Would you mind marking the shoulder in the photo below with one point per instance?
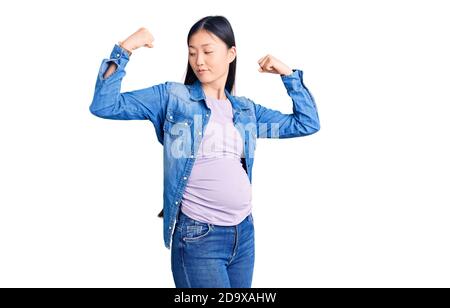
(177, 88)
(245, 101)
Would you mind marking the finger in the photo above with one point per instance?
(265, 63)
(261, 64)
(261, 60)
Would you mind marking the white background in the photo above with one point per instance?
(362, 203)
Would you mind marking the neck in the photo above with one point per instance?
(216, 88)
(215, 93)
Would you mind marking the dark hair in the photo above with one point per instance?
(221, 27)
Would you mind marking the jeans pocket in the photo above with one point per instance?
(195, 231)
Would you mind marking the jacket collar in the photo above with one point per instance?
(197, 93)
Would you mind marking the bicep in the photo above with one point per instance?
(147, 103)
(271, 123)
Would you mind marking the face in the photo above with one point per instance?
(209, 53)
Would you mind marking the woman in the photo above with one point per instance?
(209, 138)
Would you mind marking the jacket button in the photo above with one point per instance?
(199, 133)
(176, 202)
(118, 55)
(171, 117)
(185, 178)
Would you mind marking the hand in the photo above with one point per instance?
(270, 64)
(141, 38)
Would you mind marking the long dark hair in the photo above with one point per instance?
(221, 27)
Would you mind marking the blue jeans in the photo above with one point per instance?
(205, 255)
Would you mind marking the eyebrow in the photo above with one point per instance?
(202, 45)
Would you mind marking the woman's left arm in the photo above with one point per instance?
(303, 121)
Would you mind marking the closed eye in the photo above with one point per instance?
(191, 54)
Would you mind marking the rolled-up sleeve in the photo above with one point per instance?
(109, 103)
(302, 122)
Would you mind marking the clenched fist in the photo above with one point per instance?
(141, 38)
(270, 64)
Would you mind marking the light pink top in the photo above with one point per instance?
(218, 190)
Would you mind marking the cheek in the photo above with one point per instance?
(218, 63)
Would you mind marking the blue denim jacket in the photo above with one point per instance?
(179, 115)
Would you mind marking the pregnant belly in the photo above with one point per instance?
(219, 183)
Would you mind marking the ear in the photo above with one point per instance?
(232, 53)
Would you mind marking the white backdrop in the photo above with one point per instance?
(367, 196)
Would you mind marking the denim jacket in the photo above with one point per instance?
(179, 115)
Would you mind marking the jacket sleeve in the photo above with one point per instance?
(108, 103)
(302, 122)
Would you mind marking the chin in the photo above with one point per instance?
(202, 78)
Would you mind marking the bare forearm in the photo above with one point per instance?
(111, 69)
(113, 66)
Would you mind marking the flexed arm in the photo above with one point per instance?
(109, 103)
(303, 121)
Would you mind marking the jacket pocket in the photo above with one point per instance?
(176, 123)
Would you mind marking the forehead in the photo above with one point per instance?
(203, 39)
(202, 45)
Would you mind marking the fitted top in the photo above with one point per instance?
(218, 190)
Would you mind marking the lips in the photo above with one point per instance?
(200, 71)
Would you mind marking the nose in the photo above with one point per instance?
(199, 61)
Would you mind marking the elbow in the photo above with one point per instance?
(315, 128)
(93, 111)
(301, 129)
(306, 129)
(100, 108)
(97, 112)
(310, 130)
(313, 125)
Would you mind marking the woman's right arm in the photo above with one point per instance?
(111, 69)
(113, 66)
(109, 103)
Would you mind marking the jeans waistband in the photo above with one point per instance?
(184, 218)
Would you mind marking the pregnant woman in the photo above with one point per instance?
(209, 138)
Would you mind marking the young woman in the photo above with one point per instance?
(209, 138)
